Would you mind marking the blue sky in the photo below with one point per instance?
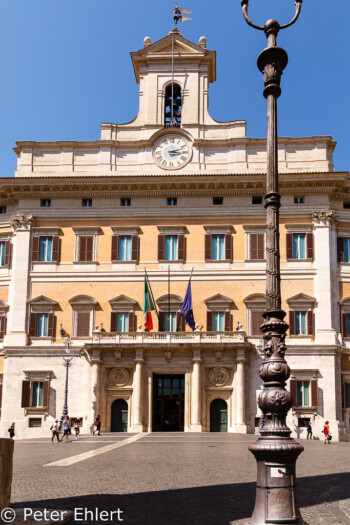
(65, 66)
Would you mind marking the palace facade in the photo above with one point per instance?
(171, 191)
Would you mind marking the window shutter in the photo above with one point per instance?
(89, 248)
(291, 322)
(135, 248)
(36, 248)
(115, 249)
(46, 400)
(314, 392)
(207, 247)
(25, 394)
(182, 248)
(51, 325)
(209, 321)
(0, 396)
(33, 325)
(293, 391)
(3, 323)
(55, 248)
(228, 321)
(161, 322)
(131, 322)
(256, 321)
(253, 246)
(114, 322)
(345, 396)
(183, 324)
(161, 247)
(310, 245)
(310, 322)
(344, 331)
(340, 243)
(178, 322)
(82, 248)
(228, 246)
(260, 246)
(7, 253)
(83, 324)
(289, 241)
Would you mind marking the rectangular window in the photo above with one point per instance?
(218, 247)
(347, 325)
(2, 209)
(347, 395)
(45, 203)
(46, 249)
(257, 199)
(218, 321)
(83, 324)
(37, 393)
(87, 203)
(299, 246)
(2, 253)
(300, 323)
(346, 248)
(43, 325)
(346, 205)
(170, 322)
(123, 322)
(303, 393)
(256, 246)
(171, 248)
(299, 200)
(256, 320)
(34, 422)
(172, 201)
(124, 248)
(125, 202)
(217, 201)
(86, 243)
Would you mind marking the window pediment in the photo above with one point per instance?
(122, 303)
(3, 307)
(219, 229)
(175, 302)
(82, 300)
(345, 301)
(255, 300)
(219, 302)
(301, 300)
(42, 304)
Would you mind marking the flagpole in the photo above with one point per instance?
(178, 323)
(169, 295)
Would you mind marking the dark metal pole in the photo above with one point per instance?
(275, 452)
(66, 364)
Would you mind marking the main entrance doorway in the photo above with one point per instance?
(218, 416)
(119, 416)
(168, 403)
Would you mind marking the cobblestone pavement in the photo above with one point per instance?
(173, 479)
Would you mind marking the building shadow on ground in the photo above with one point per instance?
(217, 505)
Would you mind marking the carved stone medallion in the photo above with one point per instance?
(218, 376)
(119, 376)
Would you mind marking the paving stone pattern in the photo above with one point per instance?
(173, 479)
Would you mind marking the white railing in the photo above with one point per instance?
(152, 338)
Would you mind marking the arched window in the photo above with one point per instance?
(173, 106)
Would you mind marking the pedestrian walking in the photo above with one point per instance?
(11, 431)
(97, 425)
(327, 433)
(55, 431)
(309, 431)
(77, 428)
(66, 427)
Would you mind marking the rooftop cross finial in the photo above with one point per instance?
(178, 12)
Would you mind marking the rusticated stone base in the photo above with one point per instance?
(6, 465)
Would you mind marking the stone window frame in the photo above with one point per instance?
(32, 376)
(42, 305)
(344, 307)
(86, 231)
(249, 230)
(122, 304)
(220, 303)
(3, 319)
(86, 304)
(341, 235)
(227, 231)
(47, 232)
(301, 229)
(302, 303)
(345, 379)
(253, 303)
(6, 237)
(175, 302)
(172, 231)
(305, 375)
(126, 231)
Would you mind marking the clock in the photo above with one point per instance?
(172, 152)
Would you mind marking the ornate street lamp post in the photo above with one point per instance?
(275, 452)
(66, 364)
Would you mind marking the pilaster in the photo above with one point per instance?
(240, 394)
(196, 423)
(18, 291)
(95, 388)
(137, 425)
(325, 238)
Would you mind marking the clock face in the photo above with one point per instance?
(172, 152)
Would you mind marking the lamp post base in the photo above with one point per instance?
(276, 499)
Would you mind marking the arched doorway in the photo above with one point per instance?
(218, 416)
(119, 416)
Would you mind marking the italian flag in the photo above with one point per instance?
(148, 306)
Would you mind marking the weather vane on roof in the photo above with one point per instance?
(178, 15)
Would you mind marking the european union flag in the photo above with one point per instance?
(186, 308)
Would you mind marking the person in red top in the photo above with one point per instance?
(326, 432)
